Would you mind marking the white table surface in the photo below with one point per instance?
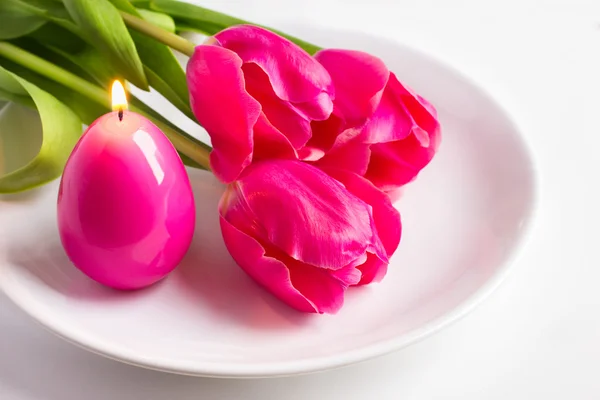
(538, 336)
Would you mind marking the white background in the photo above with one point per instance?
(538, 336)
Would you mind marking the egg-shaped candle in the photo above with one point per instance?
(126, 211)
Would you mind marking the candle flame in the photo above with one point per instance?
(119, 100)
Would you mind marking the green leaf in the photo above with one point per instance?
(165, 89)
(168, 76)
(10, 84)
(161, 20)
(18, 18)
(61, 129)
(90, 60)
(54, 10)
(161, 60)
(210, 22)
(102, 24)
(64, 37)
(86, 109)
(15, 98)
(125, 5)
(52, 34)
(182, 27)
(51, 6)
(20, 136)
(72, 62)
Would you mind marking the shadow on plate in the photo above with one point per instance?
(46, 260)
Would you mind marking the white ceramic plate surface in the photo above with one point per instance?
(463, 220)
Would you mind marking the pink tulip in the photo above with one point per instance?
(256, 94)
(305, 236)
(260, 97)
(386, 132)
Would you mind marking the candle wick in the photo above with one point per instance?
(120, 114)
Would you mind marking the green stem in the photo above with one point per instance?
(172, 40)
(193, 150)
(54, 72)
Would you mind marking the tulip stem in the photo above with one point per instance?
(53, 72)
(172, 40)
(194, 150)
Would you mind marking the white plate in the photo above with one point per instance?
(463, 220)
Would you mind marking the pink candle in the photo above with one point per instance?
(125, 205)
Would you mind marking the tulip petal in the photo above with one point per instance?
(223, 107)
(353, 156)
(349, 275)
(270, 143)
(373, 270)
(404, 134)
(281, 114)
(324, 134)
(303, 212)
(386, 217)
(301, 286)
(359, 79)
(397, 163)
(325, 292)
(318, 109)
(400, 114)
(295, 76)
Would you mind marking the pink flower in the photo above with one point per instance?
(256, 94)
(305, 236)
(386, 132)
(311, 148)
(260, 97)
